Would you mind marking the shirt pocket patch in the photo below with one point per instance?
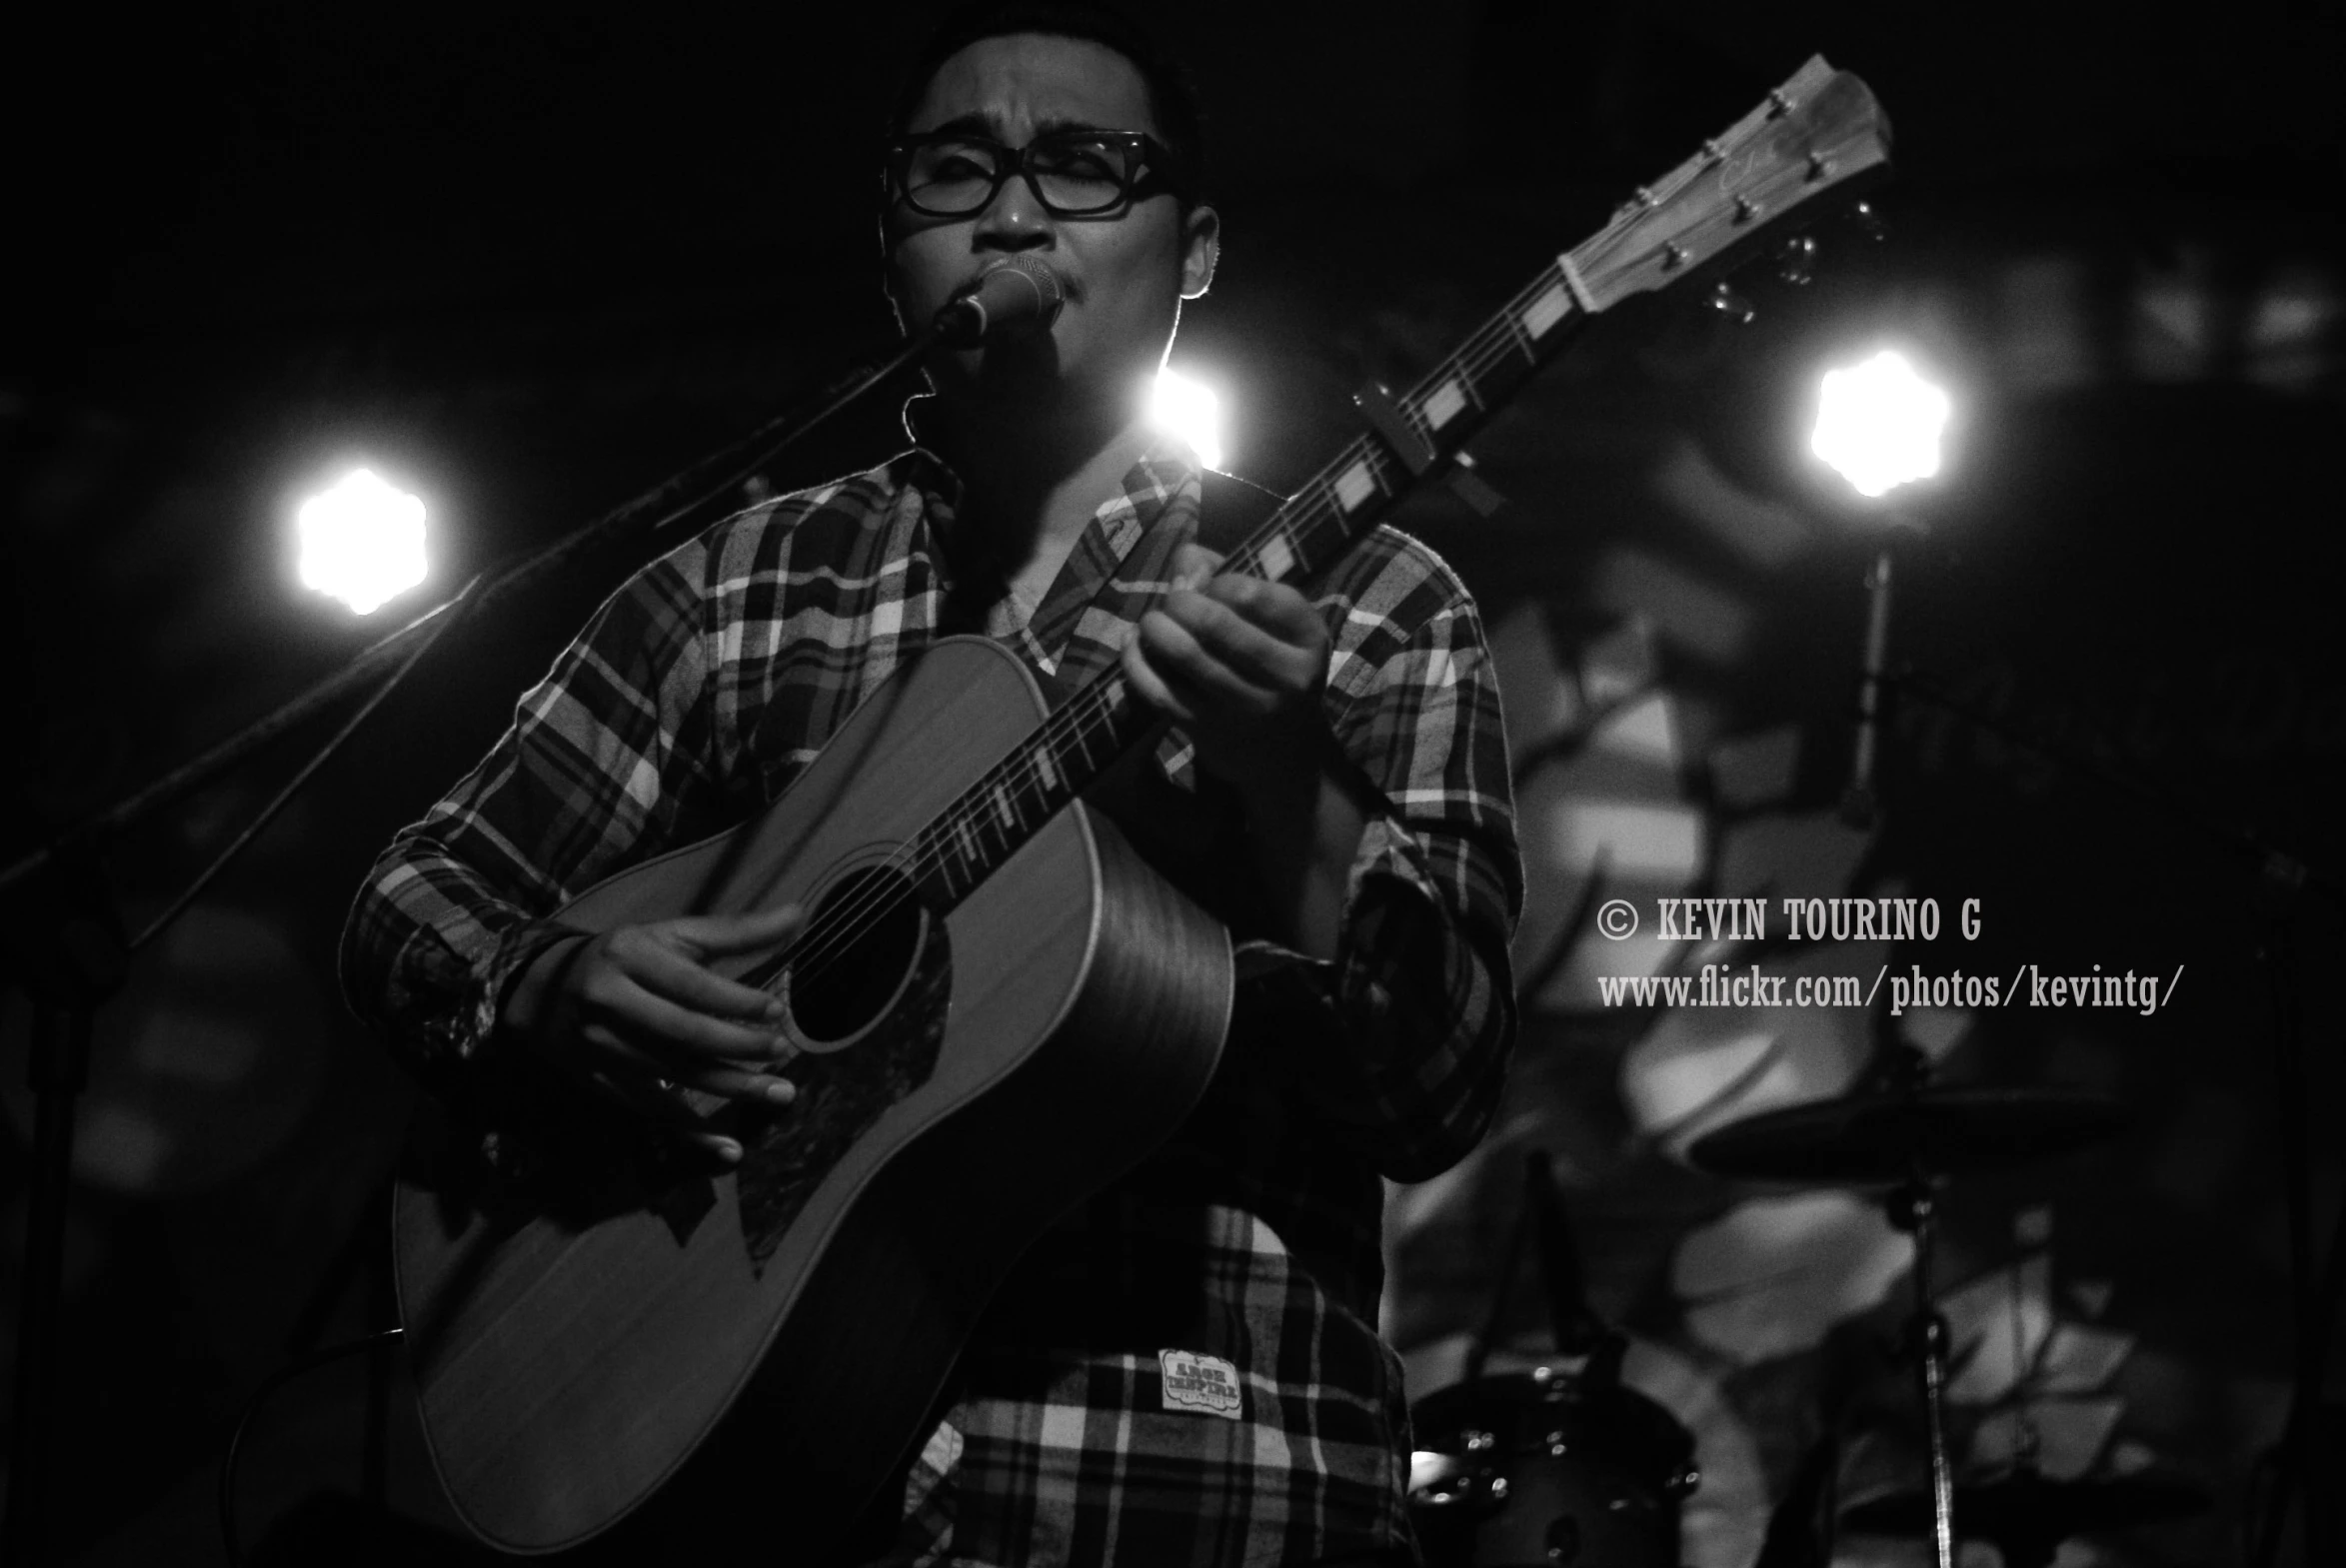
(1206, 1384)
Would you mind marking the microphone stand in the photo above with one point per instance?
(1912, 1205)
(1861, 802)
(65, 945)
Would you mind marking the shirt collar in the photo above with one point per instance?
(1166, 467)
(1158, 500)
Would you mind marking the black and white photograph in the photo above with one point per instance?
(1037, 783)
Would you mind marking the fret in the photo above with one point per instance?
(1521, 340)
(1552, 306)
(981, 828)
(1472, 382)
(1384, 471)
(929, 846)
(1067, 756)
(1494, 374)
(1041, 802)
(1448, 399)
(1026, 788)
(1290, 526)
(1275, 557)
(1273, 552)
(1109, 720)
(1080, 731)
(1414, 420)
(994, 841)
(1451, 390)
(1324, 526)
(1355, 486)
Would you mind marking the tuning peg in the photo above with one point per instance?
(1731, 305)
(1796, 259)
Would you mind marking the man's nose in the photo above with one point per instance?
(1016, 220)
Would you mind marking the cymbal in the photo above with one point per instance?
(2027, 1507)
(1889, 1136)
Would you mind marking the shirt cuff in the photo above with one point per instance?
(1388, 851)
(458, 1060)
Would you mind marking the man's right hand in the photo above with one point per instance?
(636, 1012)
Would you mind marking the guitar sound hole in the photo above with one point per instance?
(860, 943)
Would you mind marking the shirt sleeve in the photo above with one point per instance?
(606, 757)
(1420, 985)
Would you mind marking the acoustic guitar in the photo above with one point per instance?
(1001, 1007)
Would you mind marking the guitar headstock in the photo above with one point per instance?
(1821, 131)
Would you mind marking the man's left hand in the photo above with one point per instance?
(1238, 662)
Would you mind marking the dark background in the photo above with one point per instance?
(526, 260)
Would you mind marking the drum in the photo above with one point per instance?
(1547, 1468)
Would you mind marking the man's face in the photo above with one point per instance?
(1126, 271)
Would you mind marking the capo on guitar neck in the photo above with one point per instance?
(1416, 454)
(1413, 449)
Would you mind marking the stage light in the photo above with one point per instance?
(1190, 410)
(362, 541)
(1878, 424)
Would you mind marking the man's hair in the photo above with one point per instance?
(1172, 100)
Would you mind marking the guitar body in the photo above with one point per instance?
(988, 1071)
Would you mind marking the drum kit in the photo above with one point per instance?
(1567, 1465)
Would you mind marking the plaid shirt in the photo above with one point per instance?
(1250, 1242)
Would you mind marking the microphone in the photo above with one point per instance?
(1016, 296)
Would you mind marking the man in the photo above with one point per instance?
(1333, 785)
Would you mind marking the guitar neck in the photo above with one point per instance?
(1338, 505)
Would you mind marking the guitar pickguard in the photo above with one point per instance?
(842, 1093)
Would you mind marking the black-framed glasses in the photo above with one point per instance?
(1075, 173)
